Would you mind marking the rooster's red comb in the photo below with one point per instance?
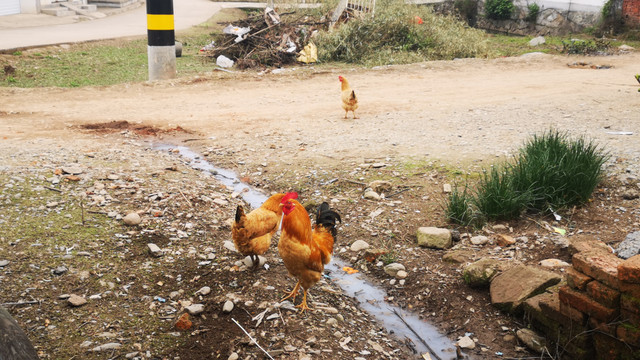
(288, 196)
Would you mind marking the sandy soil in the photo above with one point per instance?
(286, 130)
(452, 110)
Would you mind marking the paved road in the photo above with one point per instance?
(15, 32)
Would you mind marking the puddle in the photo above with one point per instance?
(424, 336)
(229, 178)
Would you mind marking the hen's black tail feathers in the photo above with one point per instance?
(239, 213)
(328, 218)
(353, 95)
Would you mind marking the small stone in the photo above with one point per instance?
(4, 263)
(554, 263)
(227, 307)
(132, 219)
(205, 290)
(479, 240)
(60, 270)
(371, 195)
(155, 250)
(537, 41)
(446, 188)
(75, 300)
(359, 245)
(108, 346)
(392, 269)
(533, 341)
(72, 169)
(466, 343)
(505, 240)
(195, 309)
(229, 246)
(233, 356)
(401, 274)
(332, 322)
(183, 322)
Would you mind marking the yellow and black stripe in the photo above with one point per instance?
(160, 28)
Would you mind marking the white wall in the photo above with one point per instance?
(572, 5)
(30, 6)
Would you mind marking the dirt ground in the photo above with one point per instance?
(285, 131)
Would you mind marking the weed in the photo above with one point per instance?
(499, 9)
(534, 10)
(458, 209)
(585, 47)
(393, 37)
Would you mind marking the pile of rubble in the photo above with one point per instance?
(268, 39)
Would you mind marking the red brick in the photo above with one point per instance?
(586, 305)
(570, 313)
(629, 333)
(607, 328)
(629, 270)
(599, 265)
(587, 243)
(630, 303)
(629, 316)
(630, 289)
(603, 294)
(576, 279)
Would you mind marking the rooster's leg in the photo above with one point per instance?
(345, 113)
(255, 259)
(303, 305)
(354, 114)
(293, 293)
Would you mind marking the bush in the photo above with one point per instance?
(585, 47)
(499, 9)
(551, 172)
(393, 36)
(534, 10)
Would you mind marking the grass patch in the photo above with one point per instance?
(552, 171)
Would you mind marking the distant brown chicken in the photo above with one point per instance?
(349, 99)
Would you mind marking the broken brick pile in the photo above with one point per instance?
(596, 314)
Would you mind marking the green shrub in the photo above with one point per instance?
(534, 10)
(393, 36)
(499, 9)
(585, 47)
(550, 172)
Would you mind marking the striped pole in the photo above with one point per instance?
(161, 50)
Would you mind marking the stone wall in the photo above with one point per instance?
(596, 314)
(550, 21)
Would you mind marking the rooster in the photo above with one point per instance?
(349, 100)
(252, 232)
(305, 251)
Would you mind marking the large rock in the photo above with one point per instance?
(630, 246)
(14, 343)
(481, 272)
(514, 286)
(434, 237)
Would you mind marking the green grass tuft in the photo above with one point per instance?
(552, 171)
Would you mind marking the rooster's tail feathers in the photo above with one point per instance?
(353, 95)
(328, 218)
